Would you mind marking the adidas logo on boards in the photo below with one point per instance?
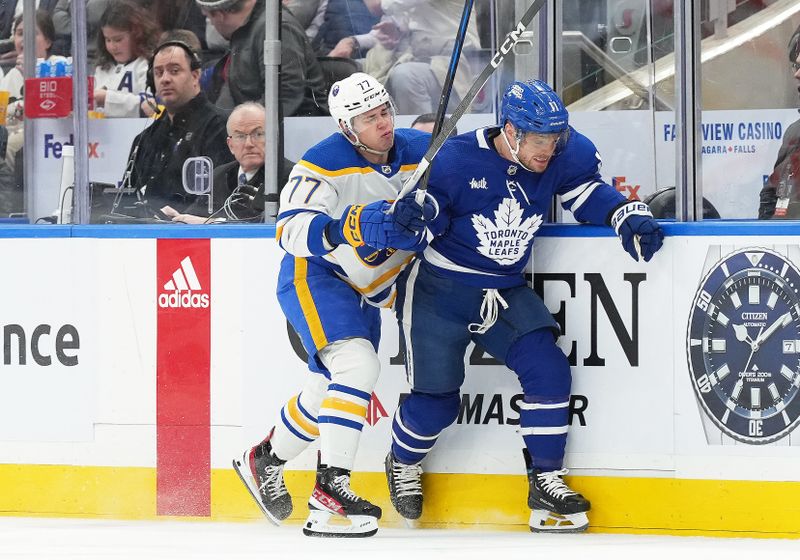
(183, 288)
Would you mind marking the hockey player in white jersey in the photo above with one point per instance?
(494, 186)
(344, 252)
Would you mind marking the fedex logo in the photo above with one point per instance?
(53, 148)
(632, 190)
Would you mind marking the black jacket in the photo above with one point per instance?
(302, 84)
(786, 175)
(159, 152)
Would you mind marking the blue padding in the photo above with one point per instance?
(247, 231)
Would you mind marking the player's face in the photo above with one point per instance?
(375, 128)
(246, 139)
(535, 150)
(118, 44)
(176, 82)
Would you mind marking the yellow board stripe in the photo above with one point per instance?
(619, 505)
(344, 406)
(307, 303)
(301, 420)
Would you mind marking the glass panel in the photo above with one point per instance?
(750, 100)
(612, 52)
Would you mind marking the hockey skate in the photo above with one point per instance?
(336, 511)
(555, 507)
(405, 487)
(262, 473)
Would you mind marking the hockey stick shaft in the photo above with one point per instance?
(444, 99)
(436, 144)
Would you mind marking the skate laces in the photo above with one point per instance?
(489, 311)
(273, 483)
(552, 483)
(342, 484)
(407, 479)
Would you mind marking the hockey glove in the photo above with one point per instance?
(640, 234)
(410, 216)
(370, 224)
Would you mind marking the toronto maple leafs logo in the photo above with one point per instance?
(505, 239)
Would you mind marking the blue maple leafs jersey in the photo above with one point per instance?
(490, 208)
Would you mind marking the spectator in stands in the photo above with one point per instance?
(409, 50)
(426, 121)
(126, 38)
(9, 11)
(238, 185)
(239, 77)
(309, 13)
(13, 82)
(780, 197)
(189, 126)
(344, 19)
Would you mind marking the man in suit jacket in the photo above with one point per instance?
(239, 185)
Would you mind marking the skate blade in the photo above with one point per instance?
(243, 470)
(326, 524)
(543, 521)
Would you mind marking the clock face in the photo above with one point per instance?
(743, 345)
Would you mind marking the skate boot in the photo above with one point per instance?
(262, 473)
(555, 507)
(405, 487)
(336, 511)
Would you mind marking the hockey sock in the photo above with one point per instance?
(419, 421)
(297, 426)
(544, 374)
(354, 369)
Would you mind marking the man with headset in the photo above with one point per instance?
(189, 126)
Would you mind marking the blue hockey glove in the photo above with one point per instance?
(640, 234)
(370, 224)
(411, 216)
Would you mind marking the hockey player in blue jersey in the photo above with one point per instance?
(494, 187)
(344, 251)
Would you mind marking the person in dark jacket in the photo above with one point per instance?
(344, 19)
(239, 76)
(239, 185)
(189, 126)
(780, 197)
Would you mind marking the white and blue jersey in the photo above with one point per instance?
(490, 213)
(322, 289)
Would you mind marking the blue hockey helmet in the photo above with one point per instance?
(533, 106)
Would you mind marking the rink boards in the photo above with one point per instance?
(138, 362)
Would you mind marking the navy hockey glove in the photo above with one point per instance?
(640, 234)
(411, 216)
(370, 224)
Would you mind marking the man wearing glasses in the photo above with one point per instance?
(238, 185)
(239, 76)
(780, 197)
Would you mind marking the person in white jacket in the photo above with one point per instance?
(125, 39)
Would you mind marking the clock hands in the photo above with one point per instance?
(753, 348)
(742, 335)
(782, 321)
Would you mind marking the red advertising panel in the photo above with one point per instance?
(183, 435)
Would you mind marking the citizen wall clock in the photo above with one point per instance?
(743, 346)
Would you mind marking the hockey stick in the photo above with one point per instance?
(511, 39)
(448, 81)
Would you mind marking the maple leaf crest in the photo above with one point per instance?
(505, 239)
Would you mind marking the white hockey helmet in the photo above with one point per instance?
(355, 95)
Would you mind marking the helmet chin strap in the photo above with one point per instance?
(360, 145)
(515, 151)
